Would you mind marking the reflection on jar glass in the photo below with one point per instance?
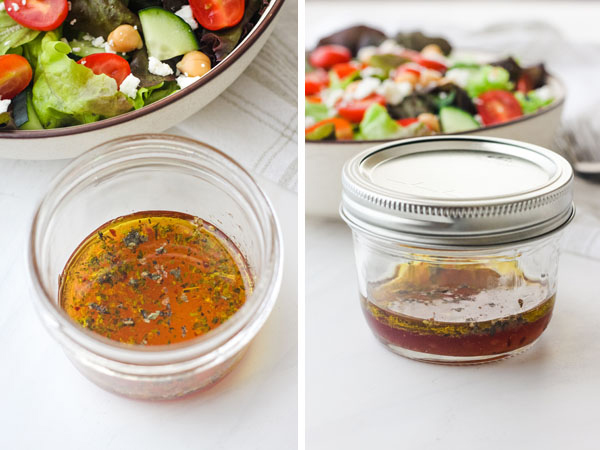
(457, 244)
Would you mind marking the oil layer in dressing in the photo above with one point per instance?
(154, 278)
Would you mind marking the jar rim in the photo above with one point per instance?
(443, 190)
(227, 339)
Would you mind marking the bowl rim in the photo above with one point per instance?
(562, 94)
(258, 30)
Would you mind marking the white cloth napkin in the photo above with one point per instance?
(255, 119)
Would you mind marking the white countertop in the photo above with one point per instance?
(362, 396)
(45, 403)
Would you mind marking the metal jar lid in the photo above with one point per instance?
(457, 191)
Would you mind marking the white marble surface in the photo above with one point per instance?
(362, 396)
(45, 403)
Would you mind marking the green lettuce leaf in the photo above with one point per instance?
(531, 102)
(317, 111)
(12, 34)
(377, 124)
(83, 48)
(32, 49)
(336, 83)
(66, 93)
(488, 78)
(148, 95)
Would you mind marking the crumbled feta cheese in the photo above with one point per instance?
(4, 104)
(393, 92)
(390, 46)
(157, 67)
(108, 47)
(370, 72)
(87, 37)
(76, 49)
(2, 7)
(435, 56)
(97, 42)
(186, 14)
(331, 96)
(184, 81)
(309, 121)
(459, 77)
(365, 87)
(544, 93)
(365, 53)
(129, 85)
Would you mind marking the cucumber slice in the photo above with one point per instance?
(455, 120)
(321, 132)
(166, 34)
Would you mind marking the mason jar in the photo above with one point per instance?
(155, 173)
(456, 241)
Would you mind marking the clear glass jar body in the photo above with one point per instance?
(155, 173)
(456, 305)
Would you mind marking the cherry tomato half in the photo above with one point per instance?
(409, 68)
(354, 111)
(497, 107)
(315, 81)
(43, 15)
(218, 14)
(344, 70)
(431, 64)
(15, 76)
(343, 128)
(327, 56)
(408, 121)
(109, 64)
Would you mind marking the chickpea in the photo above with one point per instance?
(432, 49)
(194, 64)
(430, 77)
(406, 77)
(430, 121)
(125, 39)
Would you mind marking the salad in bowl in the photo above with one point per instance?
(361, 85)
(66, 63)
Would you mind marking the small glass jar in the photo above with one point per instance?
(155, 173)
(457, 244)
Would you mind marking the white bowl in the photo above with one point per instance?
(325, 159)
(69, 142)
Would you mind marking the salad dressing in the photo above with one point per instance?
(154, 278)
(466, 311)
